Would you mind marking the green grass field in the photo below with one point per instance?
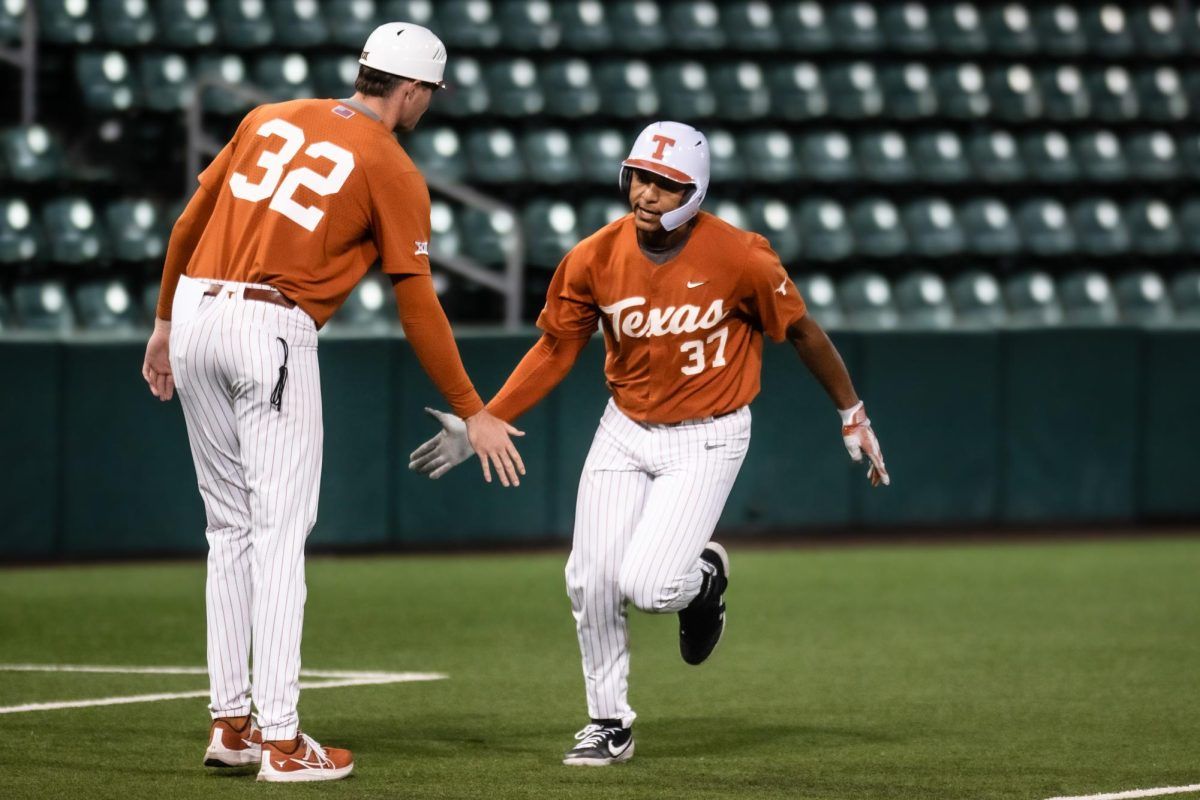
(922, 673)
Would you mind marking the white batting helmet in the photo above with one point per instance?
(678, 152)
(405, 49)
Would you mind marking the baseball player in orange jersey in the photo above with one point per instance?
(684, 300)
(288, 218)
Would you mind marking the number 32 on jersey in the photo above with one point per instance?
(280, 186)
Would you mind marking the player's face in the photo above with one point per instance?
(651, 196)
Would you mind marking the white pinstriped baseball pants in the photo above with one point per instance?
(649, 500)
(259, 472)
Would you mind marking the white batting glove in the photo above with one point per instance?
(859, 438)
(445, 451)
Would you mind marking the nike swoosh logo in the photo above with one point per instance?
(616, 751)
(694, 284)
(712, 446)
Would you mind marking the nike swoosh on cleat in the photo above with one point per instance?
(618, 751)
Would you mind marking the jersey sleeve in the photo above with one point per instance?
(400, 221)
(770, 295)
(570, 311)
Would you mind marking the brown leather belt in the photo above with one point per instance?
(272, 296)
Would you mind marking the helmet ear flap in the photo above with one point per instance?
(624, 181)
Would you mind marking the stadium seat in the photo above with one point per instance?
(1153, 156)
(228, 69)
(1048, 157)
(1157, 32)
(527, 25)
(1142, 298)
(962, 93)
(106, 81)
(597, 212)
(1032, 299)
(105, 305)
(774, 158)
(76, 233)
(725, 163)
(600, 152)
(20, 241)
(867, 300)
(12, 19)
(640, 23)
(569, 89)
(773, 219)
(854, 91)
(549, 156)
(30, 154)
(923, 302)
(994, 157)
(729, 210)
(125, 23)
(437, 151)
(418, 11)
(244, 24)
(470, 24)
(1153, 230)
(298, 23)
(134, 230)
(959, 28)
(42, 306)
(796, 91)
(1189, 151)
(584, 25)
(938, 157)
(933, 228)
(350, 22)
(334, 76)
(513, 88)
(977, 300)
(989, 228)
(827, 156)
(820, 297)
(1064, 93)
(1044, 227)
(883, 156)
(1161, 95)
(1107, 30)
(1087, 299)
(551, 229)
(1185, 296)
(824, 230)
(284, 76)
(804, 26)
(1059, 29)
(684, 91)
(165, 83)
(750, 25)
(1113, 95)
(1100, 156)
(627, 89)
(466, 94)
(1014, 93)
(369, 310)
(492, 154)
(488, 235)
(443, 223)
(694, 25)
(878, 232)
(908, 92)
(907, 27)
(1189, 222)
(1099, 227)
(855, 26)
(1010, 29)
(185, 23)
(65, 22)
(741, 91)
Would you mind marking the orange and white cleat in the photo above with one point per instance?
(302, 759)
(233, 742)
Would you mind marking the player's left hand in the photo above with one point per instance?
(156, 366)
(859, 438)
(445, 451)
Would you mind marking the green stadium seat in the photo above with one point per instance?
(1099, 227)
(350, 22)
(804, 26)
(640, 23)
(750, 26)
(1059, 30)
(774, 159)
(773, 219)
(584, 25)
(855, 26)
(493, 155)
(185, 23)
(825, 233)
(933, 228)
(1142, 298)
(334, 76)
(1048, 156)
(1153, 156)
(1101, 156)
(76, 235)
(1087, 298)
(369, 310)
(820, 297)
(938, 157)
(684, 91)
(125, 23)
(1107, 31)
(627, 89)
(1157, 31)
(569, 88)
(513, 88)
(466, 94)
(470, 24)
(977, 300)
(741, 91)
(20, 241)
(244, 24)
(1064, 93)
(285, 76)
(797, 92)
(1185, 296)
(30, 154)
(1014, 93)
(12, 20)
(994, 157)
(1161, 95)
(695, 25)
(729, 210)
(1010, 29)
(1032, 299)
(827, 156)
(551, 229)
(528, 25)
(878, 231)
(418, 11)
(600, 151)
(962, 92)
(1045, 228)
(923, 301)
(106, 81)
(1189, 151)
(42, 306)
(908, 92)
(868, 302)
(959, 28)
(65, 22)
(6, 316)
(854, 91)
(883, 156)
(907, 27)
(1189, 222)
(1153, 230)
(549, 156)
(437, 151)
(229, 69)
(105, 305)
(1113, 96)
(134, 230)
(488, 235)
(989, 228)
(596, 212)
(165, 82)
(298, 24)
(443, 222)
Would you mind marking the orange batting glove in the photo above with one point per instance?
(859, 439)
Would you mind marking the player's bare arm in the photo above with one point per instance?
(826, 365)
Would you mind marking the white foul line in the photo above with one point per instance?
(328, 679)
(1135, 793)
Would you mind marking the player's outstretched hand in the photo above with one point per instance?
(490, 439)
(859, 439)
(445, 451)
(156, 367)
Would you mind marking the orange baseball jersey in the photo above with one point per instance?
(309, 193)
(684, 338)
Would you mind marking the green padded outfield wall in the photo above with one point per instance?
(979, 428)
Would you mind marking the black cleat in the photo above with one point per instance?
(601, 742)
(702, 623)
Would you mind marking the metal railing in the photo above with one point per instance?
(24, 58)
